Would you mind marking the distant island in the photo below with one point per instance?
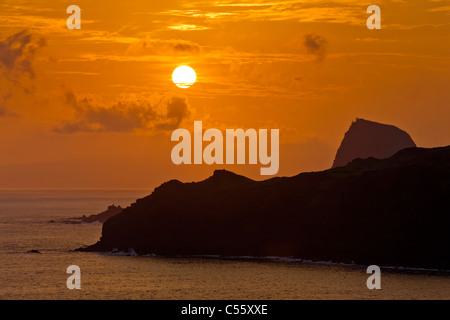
(100, 218)
(392, 211)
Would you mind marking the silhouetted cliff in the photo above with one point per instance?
(387, 212)
(367, 139)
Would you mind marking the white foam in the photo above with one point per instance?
(129, 253)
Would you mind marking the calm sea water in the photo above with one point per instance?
(24, 226)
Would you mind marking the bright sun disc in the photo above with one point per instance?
(184, 77)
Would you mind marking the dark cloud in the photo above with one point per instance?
(164, 47)
(17, 53)
(17, 75)
(125, 116)
(177, 110)
(315, 45)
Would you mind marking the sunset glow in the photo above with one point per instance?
(101, 99)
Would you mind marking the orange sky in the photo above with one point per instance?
(95, 107)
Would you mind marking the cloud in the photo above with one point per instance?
(309, 43)
(315, 45)
(17, 75)
(188, 27)
(334, 11)
(126, 115)
(17, 53)
(177, 110)
(175, 47)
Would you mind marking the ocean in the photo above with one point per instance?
(24, 226)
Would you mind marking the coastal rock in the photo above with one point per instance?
(367, 139)
(94, 218)
(103, 216)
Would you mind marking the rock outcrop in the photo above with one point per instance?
(93, 218)
(367, 139)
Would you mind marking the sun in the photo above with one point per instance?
(184, 77)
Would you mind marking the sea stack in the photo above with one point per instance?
(366, 139)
